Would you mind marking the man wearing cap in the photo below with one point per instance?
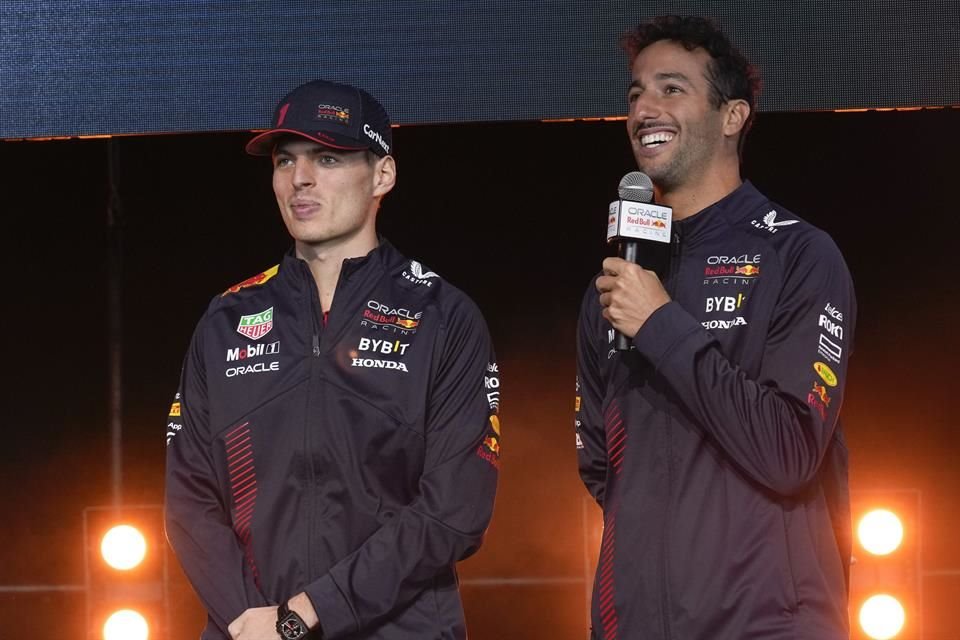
(333, 447)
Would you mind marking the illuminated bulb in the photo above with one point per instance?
(126, 624)
(880, 532)
(882, 617)
(123, 547)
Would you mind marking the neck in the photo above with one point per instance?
(695, 196)
(325, 263)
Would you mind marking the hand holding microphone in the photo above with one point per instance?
(628, 292)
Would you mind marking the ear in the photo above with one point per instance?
(384, 175)
(738, 111)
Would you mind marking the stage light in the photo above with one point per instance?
(885, 572)
(126, 624)
(882, 617)
(123, 547)
(880, 532)
(126, 573)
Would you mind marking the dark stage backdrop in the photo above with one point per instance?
(116, 67)
(513, 213)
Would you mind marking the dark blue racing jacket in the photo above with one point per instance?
(354, 459)
(714, 446)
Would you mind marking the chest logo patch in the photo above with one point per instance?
(256, 325)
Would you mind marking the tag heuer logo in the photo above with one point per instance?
(256, 325)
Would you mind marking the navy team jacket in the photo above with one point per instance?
(355, 460)
(714, 446)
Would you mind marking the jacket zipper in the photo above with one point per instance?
(315, 314)
(314, 310)
(672, 280)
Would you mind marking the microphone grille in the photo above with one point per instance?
(636, 187)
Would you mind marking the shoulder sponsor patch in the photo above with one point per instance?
(254, 281)
(418, 274)
(771, 223)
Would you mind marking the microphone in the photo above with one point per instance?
(633, 221)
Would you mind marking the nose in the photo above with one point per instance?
(302, 175)
(644, 107)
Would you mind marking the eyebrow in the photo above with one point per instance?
(283, 149)
(664, 75)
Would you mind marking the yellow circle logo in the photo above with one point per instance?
(825, 373)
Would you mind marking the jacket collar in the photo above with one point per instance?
(384, 258)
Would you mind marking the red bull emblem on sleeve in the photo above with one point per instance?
(254, 281)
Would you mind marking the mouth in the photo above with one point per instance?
(654, 140)
(303, 209)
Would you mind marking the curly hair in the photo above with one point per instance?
(729, 74)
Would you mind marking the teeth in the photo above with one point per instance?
(655, 138)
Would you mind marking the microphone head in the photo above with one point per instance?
(636, 187)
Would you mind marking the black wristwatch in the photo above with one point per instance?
(290, 625)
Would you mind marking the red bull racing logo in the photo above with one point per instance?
(489, 450)
(333, 112)
(382, 316)
(821, 392)
(819, 399)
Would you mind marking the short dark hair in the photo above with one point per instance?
(729, 74)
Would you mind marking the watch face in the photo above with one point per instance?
(291, 628)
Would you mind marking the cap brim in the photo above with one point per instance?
(263, 144)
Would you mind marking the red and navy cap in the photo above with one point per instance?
(332, 114)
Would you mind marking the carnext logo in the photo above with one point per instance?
(373, 135)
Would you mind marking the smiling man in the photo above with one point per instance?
(333, 448)
(713, 444)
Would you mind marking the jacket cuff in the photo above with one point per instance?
(333, 610)
(663, 331)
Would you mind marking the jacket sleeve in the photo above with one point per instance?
(447, 519)
(197, 521)
(590, 431)
(775, 428)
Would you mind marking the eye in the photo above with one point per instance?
(327, 159)
(671, 89)
(633, 96)
(281, 161)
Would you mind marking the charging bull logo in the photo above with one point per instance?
(256, 280)
(819, 399)
(821, 392)
(489, 450)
